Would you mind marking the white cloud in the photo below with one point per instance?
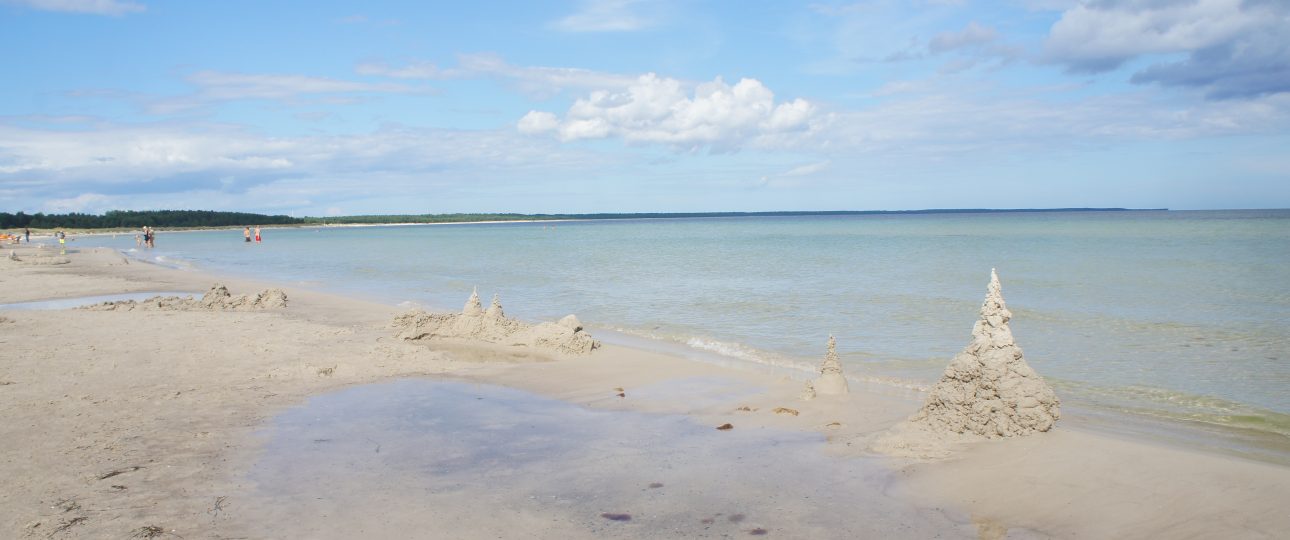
(604, 16)
(213, 166)
(94, 7)
(540, 81)
(1100, 36)
(217, 86)
(413, 70)
(538, 122)
(968, 121)
(808, 169)
(655, 109)
(91, 203)
(973, 35)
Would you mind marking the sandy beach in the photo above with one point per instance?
(155, 423)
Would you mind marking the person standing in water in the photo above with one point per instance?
(257, 234)
(246, 233)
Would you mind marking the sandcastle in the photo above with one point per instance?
(988, 389)
(216, 299)
(474, 322)
(831, 382)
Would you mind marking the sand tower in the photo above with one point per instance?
(495, 310)
(988, 389)
(473, 306)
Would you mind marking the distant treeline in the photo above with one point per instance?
(465, 218)
(129, 219)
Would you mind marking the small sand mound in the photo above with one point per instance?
(216, 299)
(987, 391)
(831, 382)
(566, 336)
(36, 258)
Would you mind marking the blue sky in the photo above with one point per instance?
(326, 108)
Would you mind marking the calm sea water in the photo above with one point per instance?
(1177, 315)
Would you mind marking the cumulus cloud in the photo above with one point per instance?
(1234, 48)
(1257, 65)
(604, 16)
(93, 7)
(656, 109)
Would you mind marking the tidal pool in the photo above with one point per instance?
(443, 459)
(69, 303)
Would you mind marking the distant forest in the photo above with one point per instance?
(129, 219)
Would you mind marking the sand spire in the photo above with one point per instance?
(495, 310)
(473, 306)
(988, 389)
(831, 381)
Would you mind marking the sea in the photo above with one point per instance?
(1173, 324)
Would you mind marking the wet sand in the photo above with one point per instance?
(206, 424)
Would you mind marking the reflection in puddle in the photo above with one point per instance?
(69, 303)
(456, 460)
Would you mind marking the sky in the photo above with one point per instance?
(332, 108)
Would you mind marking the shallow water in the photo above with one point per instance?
(439, 457)
(1177, 316)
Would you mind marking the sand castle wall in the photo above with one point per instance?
(566, 336)
(216, 299)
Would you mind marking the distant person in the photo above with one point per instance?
(246, 233)
(62, 242)
(152, 237)
(257, 234)
(27, 234)
(138, 240)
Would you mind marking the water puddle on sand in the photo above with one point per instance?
(69, 303)
(436, 459)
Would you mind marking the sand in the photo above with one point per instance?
(130, 423)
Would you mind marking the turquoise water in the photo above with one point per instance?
(1179, 315)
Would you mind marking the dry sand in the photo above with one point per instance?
(143, 423)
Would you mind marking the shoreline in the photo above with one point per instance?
(1162, 425)
(1066, 483)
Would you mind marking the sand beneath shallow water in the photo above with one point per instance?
(120, 421)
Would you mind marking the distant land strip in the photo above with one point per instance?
(133, 219)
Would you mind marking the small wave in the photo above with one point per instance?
(1180, 406)
(741, 352)
(178, 264)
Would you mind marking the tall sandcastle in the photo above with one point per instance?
(831, 381)
(988, 389)
(473, 307)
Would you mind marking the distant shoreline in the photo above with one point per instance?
(390, 220)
